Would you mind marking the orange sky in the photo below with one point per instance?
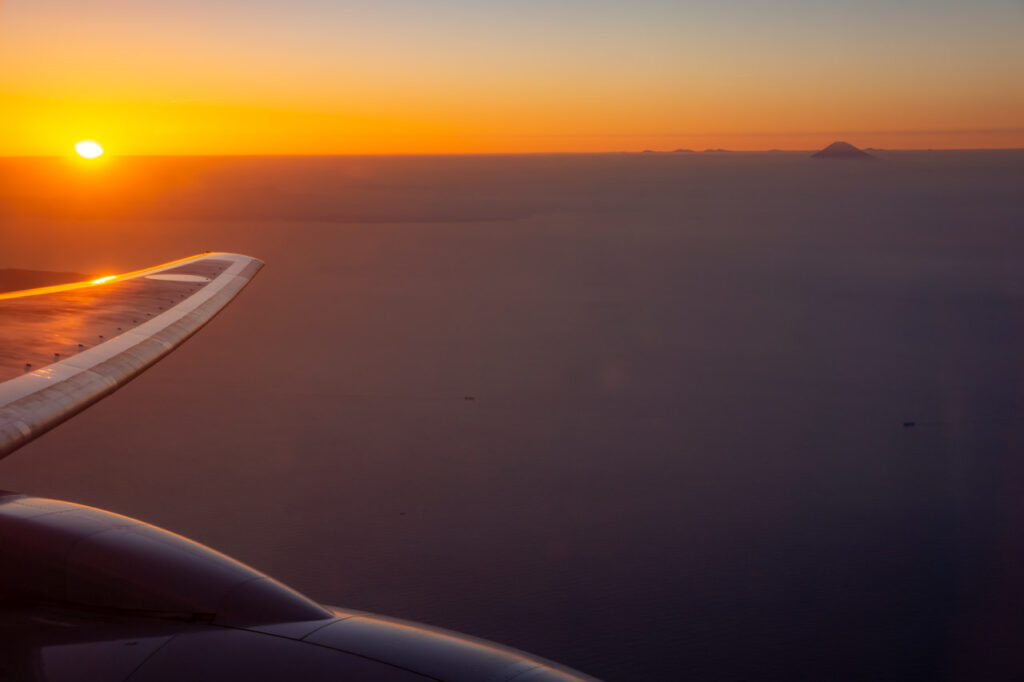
(315, 77)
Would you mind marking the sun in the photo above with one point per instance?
(89, 149)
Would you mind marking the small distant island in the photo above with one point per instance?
(841, 150)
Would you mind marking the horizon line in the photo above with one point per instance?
(681, 150)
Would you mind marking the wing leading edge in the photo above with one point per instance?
(63, 348)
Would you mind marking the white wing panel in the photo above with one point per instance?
(63, 348)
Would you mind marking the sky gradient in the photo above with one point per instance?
(454, 76)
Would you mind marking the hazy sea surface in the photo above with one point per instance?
(685, 455)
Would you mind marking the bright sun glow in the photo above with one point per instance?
(101, 280)
(88, 149)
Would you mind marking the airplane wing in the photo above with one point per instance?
(64, 347)
(90, 595)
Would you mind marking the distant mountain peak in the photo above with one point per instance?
(841, 150)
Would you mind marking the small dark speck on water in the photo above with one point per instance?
(907, 425)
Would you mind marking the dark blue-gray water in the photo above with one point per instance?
(686, 456)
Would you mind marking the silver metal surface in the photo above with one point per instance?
(435, 653)
(65, 347)
(90, 595)
(63, 553)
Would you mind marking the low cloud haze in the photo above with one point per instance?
(685, 454)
